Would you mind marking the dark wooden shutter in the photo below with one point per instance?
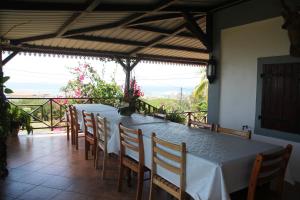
(281, 97)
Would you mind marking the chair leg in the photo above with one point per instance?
(104, 164)
(76, 140)
(87, 145)
(94, 152)
(151, 188)
(140, 184)
(68, 132)
(128, 177)
(96, 158)
(121, 171)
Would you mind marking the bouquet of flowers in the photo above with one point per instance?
(127, 105)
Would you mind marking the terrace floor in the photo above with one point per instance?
(46, 166)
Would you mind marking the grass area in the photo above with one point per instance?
(157, 102)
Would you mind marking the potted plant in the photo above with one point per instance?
(19, 119)
(4, 124)
(128, 103)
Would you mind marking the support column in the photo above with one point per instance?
(1, 72)
(128, 66)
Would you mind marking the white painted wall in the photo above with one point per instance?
(240, 48)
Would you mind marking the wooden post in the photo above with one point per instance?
(128, 74)
(127, 67)
(1, 72)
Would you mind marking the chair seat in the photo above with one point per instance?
(166, 185)
(131, 163)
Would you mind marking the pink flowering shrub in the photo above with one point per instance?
(86, 83)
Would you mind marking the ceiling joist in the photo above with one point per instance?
(191, 25)
(104, 7)
(95, 53)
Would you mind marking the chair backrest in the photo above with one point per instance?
(74, 119)
(89, 124)
(131, 139)
(178, 158)
(268, 167)
(69, 116)
(102, 136)
(202, 125)
(242, 134)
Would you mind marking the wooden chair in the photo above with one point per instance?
(266, 168)
(197, 124)
(132, 140)
(101, 142)
(242, 134)
(69, 121)
(75, 127)
(159, 155)
(90, 134)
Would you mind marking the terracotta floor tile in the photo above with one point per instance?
(40, 193)
(13, 189)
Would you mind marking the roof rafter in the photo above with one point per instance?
(104, 7)
(76, 16)
(107, 54)
(191, 25)
(160, 31)
(122, 23)
(155, 18)
(160, 39)
(136, 43)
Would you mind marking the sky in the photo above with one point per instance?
(46, 74)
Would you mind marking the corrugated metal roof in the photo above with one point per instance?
(175, 53)
(102, 30)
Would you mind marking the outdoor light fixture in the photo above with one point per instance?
(211, 72)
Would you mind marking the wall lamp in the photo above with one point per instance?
(211, 72)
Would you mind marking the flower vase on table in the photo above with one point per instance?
(128, 104)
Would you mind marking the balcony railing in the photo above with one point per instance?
(49, 113)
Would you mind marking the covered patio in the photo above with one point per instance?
(238, 40)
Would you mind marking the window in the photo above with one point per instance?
(280, 109)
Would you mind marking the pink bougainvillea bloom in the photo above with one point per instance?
(77, 69)
(85, 66)
(81, 77)
(78, 93)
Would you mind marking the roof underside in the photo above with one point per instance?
(166, 30)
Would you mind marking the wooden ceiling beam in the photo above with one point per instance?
(106, 54)
(160, 39)
(156, 18)
(136, 43)
(104, 7)
(122, 23)
(192, 25)
(76, 16)
(9, 57)
(160, 31)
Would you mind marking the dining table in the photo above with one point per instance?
(216, 164)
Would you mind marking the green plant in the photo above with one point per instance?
(19, 118)
(176, 116)
(4, 124)
(88, 83)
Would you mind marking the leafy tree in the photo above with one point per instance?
(200, 94)
(87, 83)
(4, 124)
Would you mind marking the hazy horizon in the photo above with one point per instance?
(39, 74)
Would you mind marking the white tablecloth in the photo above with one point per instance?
(216, 165)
